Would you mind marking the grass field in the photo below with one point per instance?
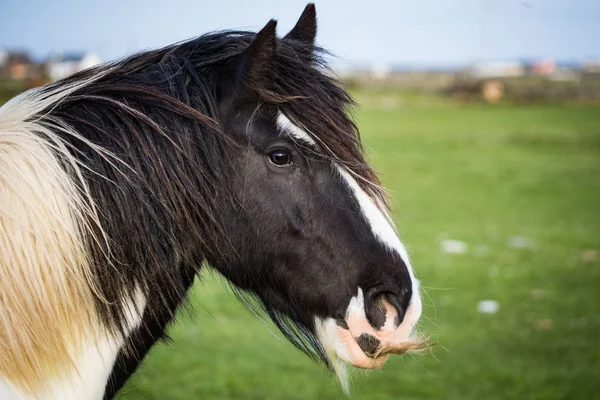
(521, 187)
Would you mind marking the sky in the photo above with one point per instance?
(369, 32)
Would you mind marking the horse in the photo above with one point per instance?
(235, 150)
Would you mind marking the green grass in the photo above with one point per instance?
(477, 174)
(473, 173)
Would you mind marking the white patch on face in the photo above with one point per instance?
(327, 334)
(94, 364)
(287, 126)
(331, 336)
(376, 215)
(385, 233)
(357, 306)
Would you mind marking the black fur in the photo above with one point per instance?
(191, 127)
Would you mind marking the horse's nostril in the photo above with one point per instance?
(381, 306)
(368, 343)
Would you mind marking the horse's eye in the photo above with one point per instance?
(280, 157)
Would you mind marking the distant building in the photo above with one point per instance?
(592, 67)
(18, 65)
(544, 67)
(63, 65)
(502, 69)
(381, 71)
(555, 70)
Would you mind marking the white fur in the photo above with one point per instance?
(383, 230)
(326, 330)
(287, 126)
(51, 343)
(357, 306)
(8, 392)
(93, 369)
(94, 364)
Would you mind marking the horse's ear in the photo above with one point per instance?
(258, 58)
(305, 30)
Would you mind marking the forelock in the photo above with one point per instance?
(316, 102)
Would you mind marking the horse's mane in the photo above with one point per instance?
(141, 152)
(177, 80)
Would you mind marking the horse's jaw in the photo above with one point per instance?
(344, 342)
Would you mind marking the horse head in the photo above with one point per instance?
(313, 239)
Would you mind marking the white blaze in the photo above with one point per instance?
(378, 220)
(374, 215)
(287, 126)
(385, 233)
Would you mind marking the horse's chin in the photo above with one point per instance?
(356, 342)
(340, 344)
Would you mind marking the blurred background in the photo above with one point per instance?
(483, 118)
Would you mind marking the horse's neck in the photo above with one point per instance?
(87, 380)
(106, 362)
(159, 312)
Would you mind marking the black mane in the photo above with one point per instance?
(164, 174)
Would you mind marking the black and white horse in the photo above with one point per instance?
(234, 149)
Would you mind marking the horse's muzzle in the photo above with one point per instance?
(366, 341)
